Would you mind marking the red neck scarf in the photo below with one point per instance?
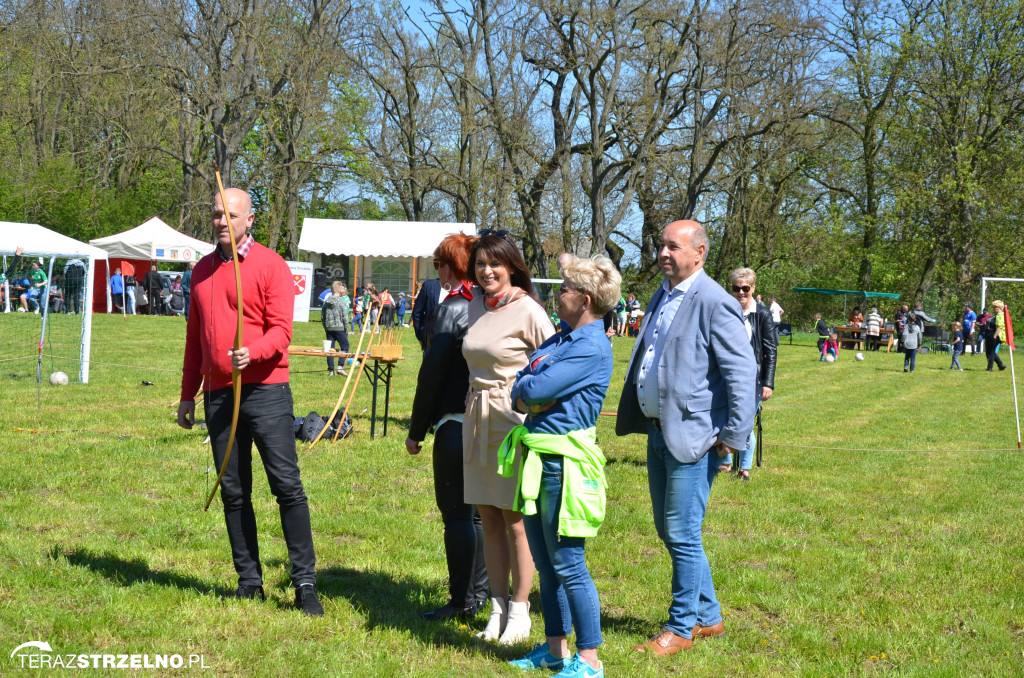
(505, 298)
(464, 290)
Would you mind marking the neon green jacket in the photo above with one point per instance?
(583, 479)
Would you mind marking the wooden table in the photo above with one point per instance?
(377, 370)
(856, 336)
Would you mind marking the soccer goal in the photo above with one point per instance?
(47, 290)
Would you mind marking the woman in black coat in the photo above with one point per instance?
(439, 404)
(764, 339)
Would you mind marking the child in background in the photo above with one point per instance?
(403, 302)
(958, 345)
(335, 321)
(357, 311)
(831, 346)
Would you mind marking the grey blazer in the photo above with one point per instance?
(706, 375)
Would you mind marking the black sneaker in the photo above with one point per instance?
(249, 592)
(306, 600)
(449, 611)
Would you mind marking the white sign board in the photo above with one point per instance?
(302, 275)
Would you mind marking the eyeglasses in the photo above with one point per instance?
(741, 288)
(437, 264)
(501, 232)
(565, 290)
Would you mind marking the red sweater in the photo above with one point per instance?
(269, 300)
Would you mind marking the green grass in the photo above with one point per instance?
(904, 559)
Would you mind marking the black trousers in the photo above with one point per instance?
(990, 352)
(463, 529)
(265, 418)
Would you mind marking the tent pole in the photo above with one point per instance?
(412, 286)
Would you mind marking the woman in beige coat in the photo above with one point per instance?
(506, 324)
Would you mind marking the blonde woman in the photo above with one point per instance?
(506, 324)
(562, 492)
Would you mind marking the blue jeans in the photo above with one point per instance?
(956, 359)
(339, 337)
(567, 593)
(679, 495)
(910, 357)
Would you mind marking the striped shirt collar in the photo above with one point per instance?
(243, 249)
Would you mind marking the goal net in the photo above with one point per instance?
(47, 317)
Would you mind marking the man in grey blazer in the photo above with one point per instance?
(690, 388)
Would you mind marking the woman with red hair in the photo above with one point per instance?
(439, 404)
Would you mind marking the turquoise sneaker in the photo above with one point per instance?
(578, 668)
(539, 658)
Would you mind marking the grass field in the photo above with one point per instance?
(882, 536)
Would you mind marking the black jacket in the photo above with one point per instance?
(765, 340)
(426, 301)
(444, 376)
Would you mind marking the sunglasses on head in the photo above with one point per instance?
(741, 288)
(501, 232)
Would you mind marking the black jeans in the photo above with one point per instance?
(265, 418)
(463, 530)
(990, 352)
(341, 337)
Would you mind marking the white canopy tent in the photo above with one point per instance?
(153, 240)
(356, 238)
(42, 242)
(376, 238)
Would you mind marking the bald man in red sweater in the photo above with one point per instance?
(266, 415)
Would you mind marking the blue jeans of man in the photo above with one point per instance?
(679, 495)
(567, 592)
(265, 418)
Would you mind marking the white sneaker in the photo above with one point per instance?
(496, 624)
(21, 310)
(518, 627)
(36, 311)
(342, 372)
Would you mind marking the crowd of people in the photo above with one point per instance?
(512, 403)
(35, 293)
(970, 333)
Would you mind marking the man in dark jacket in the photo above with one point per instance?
(764, 339)
(153, 286)
(428, 298)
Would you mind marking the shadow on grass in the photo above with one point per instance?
(135, 571)
(636, 462)
(398, 603)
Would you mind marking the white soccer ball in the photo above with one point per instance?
(860, 356)
(58, 379)
(829, 358)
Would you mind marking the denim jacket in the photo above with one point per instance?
(572, 370)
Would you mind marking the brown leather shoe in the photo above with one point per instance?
(709, 631)
(665, 643)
